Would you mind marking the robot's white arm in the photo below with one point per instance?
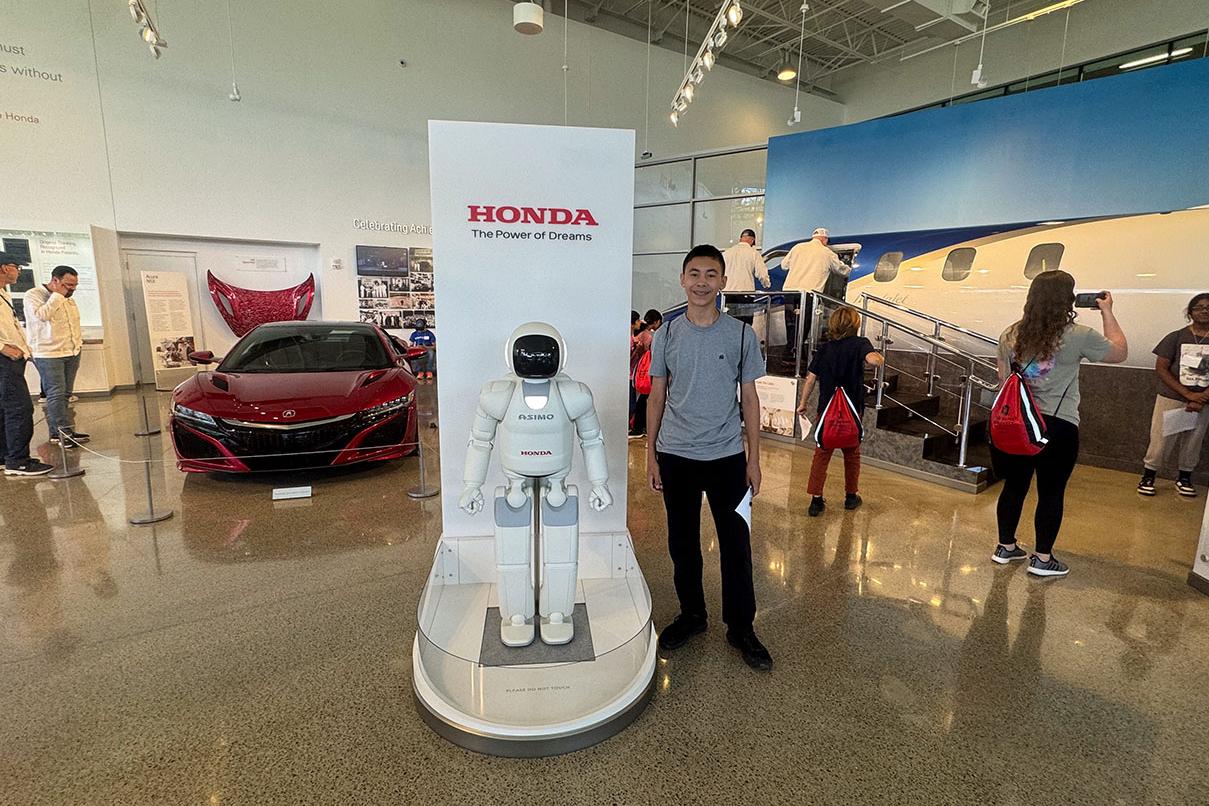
(493, 404)
(577, 397)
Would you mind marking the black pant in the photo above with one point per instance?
(638, 424)
(724, 482)
(16, 412)
(1053, 467)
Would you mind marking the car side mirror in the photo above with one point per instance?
(201, 357)
(415, 352)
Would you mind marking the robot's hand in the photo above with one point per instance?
(471, 500)
(600, 497)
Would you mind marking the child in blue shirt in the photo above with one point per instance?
(423, 337)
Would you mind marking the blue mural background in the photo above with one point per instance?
(1135, 143)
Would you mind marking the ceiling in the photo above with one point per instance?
(838, 33)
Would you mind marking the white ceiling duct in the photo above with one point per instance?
(943, 19)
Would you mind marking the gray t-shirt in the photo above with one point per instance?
(702, 365)
(1055, 381)
(1189, 357)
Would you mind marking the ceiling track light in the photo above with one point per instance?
(147, 30)
(729, 13)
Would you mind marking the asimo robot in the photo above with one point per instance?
(534, 413)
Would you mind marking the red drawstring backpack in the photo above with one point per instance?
(1017, 426)
(642, 374)
(840, 424)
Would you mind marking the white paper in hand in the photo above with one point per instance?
(744, 509)
(806, 426)
(1178, 420)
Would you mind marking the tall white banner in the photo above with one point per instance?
(169, 326)
(531, 223)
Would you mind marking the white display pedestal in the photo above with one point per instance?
(1198, 577)
(525, 709)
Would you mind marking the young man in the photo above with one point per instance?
(695, 446)
(16, 408)
(56, 340)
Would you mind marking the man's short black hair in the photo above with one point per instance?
(704, 250)
(59, 272)
(750, 232)
(652, 316)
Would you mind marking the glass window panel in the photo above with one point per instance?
(1043, 257)
(672, 181)
(656, 282)
(662, 229)
(1112, 66)
(887, 267)
(721, 222)
(731, 174)
(958, 264)
(1197, 43)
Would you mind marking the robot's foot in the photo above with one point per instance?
(516, 634)
(556, 631)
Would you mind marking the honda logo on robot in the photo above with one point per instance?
(513, 214)
(537, 453)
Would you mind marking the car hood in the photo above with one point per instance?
(271, 397)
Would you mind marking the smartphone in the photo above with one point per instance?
(1088, 300)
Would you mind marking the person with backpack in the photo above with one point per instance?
(839, 370)
(1039, 359)
(704, 367)
(640, 377)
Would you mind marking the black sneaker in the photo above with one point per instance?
(78, 437)
(1004, 555)
(1146, 485)
(1050, 568)
(754, 653)
(852, 501)
(682, 628)
(30, 467)
(1183, 485)
(816, 506)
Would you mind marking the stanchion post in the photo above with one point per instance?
(423, 490)
(147, 431)
(152, 516)
(63, 471)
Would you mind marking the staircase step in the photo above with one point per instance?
(900, 410)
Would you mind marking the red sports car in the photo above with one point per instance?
(294, 395)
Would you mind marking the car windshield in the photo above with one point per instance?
(311, 349)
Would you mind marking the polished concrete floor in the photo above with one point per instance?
(258, 653)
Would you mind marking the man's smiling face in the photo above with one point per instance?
(701, 280)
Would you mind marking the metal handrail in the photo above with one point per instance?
(936, 344)
(936, 320)
(932, 341)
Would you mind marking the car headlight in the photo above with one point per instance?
(186, 413)
(390, 406)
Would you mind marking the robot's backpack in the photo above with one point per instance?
(1017, 425)
(642, 374)
(840, 424)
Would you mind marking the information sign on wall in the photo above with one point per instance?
(169, 326)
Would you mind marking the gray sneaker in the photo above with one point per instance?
(1004, 555)
(1050, 568)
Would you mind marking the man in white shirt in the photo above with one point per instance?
(810, 263)
(53, 320)
(16, 408)
(744, 265)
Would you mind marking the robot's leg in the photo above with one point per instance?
(560, 563)
(513, 559)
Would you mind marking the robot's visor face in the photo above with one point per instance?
(535, 357)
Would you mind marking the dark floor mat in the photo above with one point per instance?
(494, 653)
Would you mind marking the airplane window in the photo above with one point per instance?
(1043, 257)
(958, 264)
(887, 267)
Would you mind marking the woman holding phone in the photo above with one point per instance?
(1046, 347)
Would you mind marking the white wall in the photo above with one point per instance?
(1097, 28)
(330, 127)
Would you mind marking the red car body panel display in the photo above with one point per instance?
(266, 419)
(243, 309)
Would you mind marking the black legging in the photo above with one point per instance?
(1053, 467)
